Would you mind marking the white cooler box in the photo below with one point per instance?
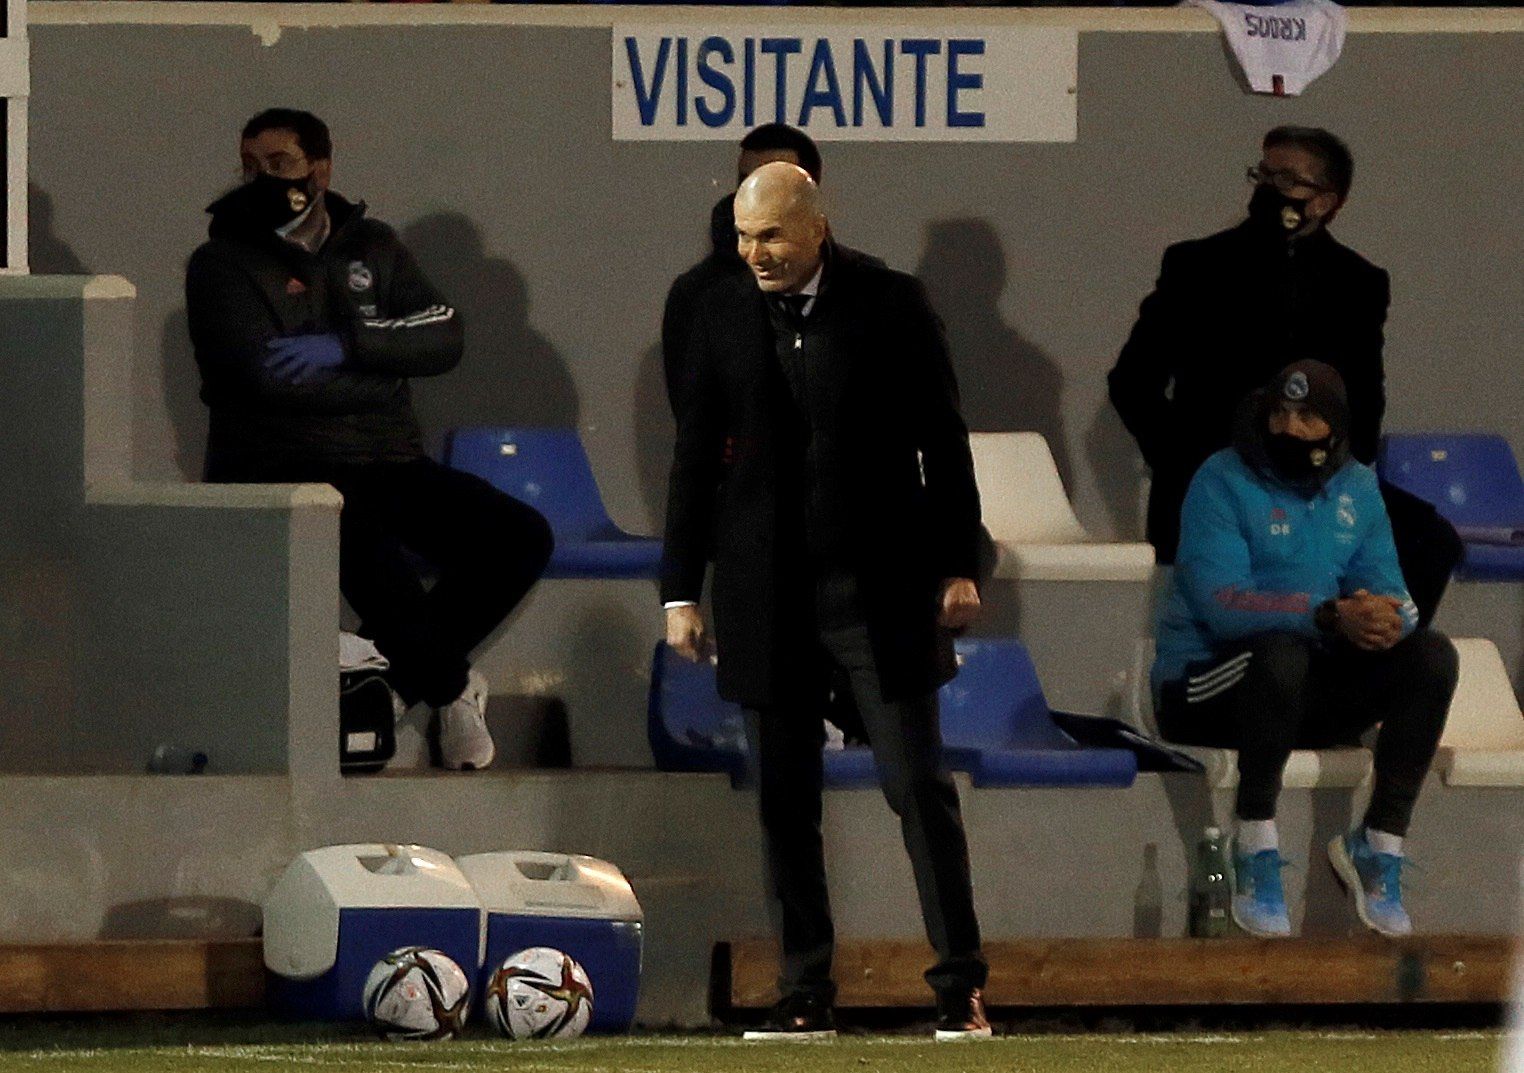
(579, 905)
(339, 910)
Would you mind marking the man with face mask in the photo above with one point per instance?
(1231, 309)
(308, 320)
(1288, 625)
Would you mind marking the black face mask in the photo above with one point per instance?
(1298, 460)
(1275, 212)
(271, 202)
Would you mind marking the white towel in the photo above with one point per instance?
(357, 653)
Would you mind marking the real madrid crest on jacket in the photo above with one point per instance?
(246, 286)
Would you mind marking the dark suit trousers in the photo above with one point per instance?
(907, 747)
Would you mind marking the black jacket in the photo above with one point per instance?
(1229, 312)
(244, 288)
(738, 478)
(722, 262)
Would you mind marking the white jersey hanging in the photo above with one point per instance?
(1281, 47)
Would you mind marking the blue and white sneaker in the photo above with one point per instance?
(1259, 902)
(1374, 880)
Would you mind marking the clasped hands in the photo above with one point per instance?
(1368, 621)
(299, 360)
(958, 606)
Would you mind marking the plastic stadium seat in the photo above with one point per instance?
(995, 723)
(548, 469)
(691, 728)
(1473, 480)
(995, 710)
(1037, 535)
(1483, 743)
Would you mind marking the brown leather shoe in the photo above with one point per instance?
(960, 1015)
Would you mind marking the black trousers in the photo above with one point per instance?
(907, 747)
(483, 548)
(1281, 691)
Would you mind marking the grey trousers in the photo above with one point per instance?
(907, 748)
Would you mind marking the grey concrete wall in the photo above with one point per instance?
(489, 147)
(142, 857)
(138, 614)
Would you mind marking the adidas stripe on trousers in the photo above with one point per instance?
(1268, 695)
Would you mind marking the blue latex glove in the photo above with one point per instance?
(304, 359)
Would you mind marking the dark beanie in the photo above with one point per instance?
(1317, 385)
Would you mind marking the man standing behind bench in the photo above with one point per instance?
(308, 319)
(820, 448)
(1288, 626)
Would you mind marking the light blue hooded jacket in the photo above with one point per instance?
(1257, 557)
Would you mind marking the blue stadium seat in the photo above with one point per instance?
(548, 469)
(995, 710)
(1473, 480)
(995, 722)
(690, 727)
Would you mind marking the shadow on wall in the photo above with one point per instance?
(1008, 385)
(1118, 471)
(47, 254)
(511, 374)
(181, 394)
(654, 433)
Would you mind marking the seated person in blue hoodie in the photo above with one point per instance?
(1288, 626)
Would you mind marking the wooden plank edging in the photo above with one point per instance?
(1163, 972)
(131, 975)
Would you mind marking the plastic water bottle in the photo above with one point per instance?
(171, 759)
(1211, 898)
(1148, 898)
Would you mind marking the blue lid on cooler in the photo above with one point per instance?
(579, 905)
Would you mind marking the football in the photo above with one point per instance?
(417, 994)
(540, 993)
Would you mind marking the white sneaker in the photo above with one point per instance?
(465, 744)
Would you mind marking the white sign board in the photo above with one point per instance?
(690, 82)
(15, 85)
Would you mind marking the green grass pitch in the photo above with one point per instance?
(169, 1046)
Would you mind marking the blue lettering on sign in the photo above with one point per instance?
(709, 116)
(830, 97)
(920, 48)
(958, 81)
(712, 80)
(749, 92)
(864, 78)
(682, 81)
(646, 94)
(782, 48)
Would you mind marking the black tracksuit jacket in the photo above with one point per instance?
(245, 287)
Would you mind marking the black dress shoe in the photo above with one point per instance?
(797, 1017)
(960, 1015)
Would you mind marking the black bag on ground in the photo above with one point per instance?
(367, 725)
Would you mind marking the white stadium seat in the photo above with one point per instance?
(1027, 512)
(1483, 743)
